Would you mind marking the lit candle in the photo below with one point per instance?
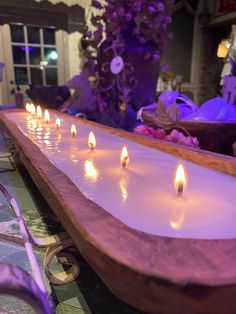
(28, 107)
(46, 116)
(73, 130)
(32, 110)
(91, 141)
(58, 123)
(39, 112)
(180, 181)
(124, 158)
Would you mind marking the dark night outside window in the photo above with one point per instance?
(21, 77)
(19, 55)
(17, 33)
(51, 76)
(33, 35)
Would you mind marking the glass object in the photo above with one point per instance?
(19, 54)
(50, 55)
(51, 76)
(49, 36)
(35, 55)
(21, 77)
(36, 76)
(33, 35)
(17, 33)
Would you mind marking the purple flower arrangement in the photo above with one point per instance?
(147, 20)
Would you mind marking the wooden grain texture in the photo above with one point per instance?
(155, 274)
(213, 136)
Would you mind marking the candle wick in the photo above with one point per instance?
(180, 189)
(124, 162)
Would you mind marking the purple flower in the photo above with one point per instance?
(128, 17)
(156, 57)
(114, 15)
(151, 9)
(168, 19)
(142, 40)
(120, 11)
(160, 6)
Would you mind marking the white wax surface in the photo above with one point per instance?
(141, 196)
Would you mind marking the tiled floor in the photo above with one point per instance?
(88, 294)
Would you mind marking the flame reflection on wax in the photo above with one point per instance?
(177, 218)
(90, 171)
(123, 189)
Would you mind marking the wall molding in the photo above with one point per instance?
(44, 13)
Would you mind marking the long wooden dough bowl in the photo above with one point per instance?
(154, 274)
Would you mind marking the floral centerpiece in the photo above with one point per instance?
(129, 57)
(147, 19)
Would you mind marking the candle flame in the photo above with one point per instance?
(58, 123)
(46, 116)
(73, 130)
(28, 107)
(32, 109)
(180, 180)
(39, 112)
(91, 141)
(124, 158)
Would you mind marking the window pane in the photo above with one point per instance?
(33, 34)
(36, 76)
(17, 33)
(49, 36)
(19, 54)
(50, 55)
(51, 76)
(35, 55)
(21, 76)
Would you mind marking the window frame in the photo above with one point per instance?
(40, 45)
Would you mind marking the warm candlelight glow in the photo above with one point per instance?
(73, 130)
(91, 141)
(124, 158)
(177, 218)
(39, 112)
(123, 189)
(90, 170)
(58, 123)
(180, 181)
(28, 107)
(46, 116)
(32, 109)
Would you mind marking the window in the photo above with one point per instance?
(34, 55)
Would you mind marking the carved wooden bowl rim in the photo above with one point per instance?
(169, 260)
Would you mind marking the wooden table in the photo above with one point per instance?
(155, 274)
(213, 136)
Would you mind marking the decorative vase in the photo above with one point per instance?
(139, 74)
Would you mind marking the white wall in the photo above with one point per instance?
(74, 59)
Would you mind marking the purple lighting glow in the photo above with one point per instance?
(26, 48)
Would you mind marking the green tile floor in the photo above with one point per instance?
(86, 295)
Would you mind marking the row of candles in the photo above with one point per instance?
(180, 177)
